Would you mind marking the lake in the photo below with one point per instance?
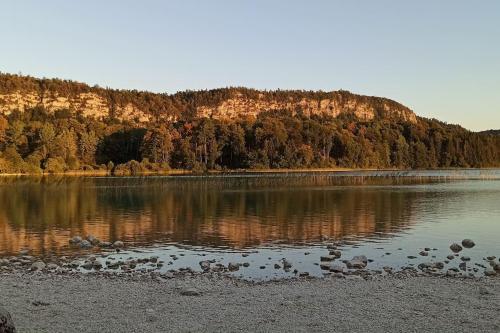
(258, 218)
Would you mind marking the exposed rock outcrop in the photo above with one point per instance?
(22, 93)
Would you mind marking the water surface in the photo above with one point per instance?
(384, 215)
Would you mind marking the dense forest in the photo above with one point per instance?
(36, 141)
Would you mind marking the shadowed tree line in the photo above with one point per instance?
(36, 140)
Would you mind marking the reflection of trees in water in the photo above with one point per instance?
(42, 213)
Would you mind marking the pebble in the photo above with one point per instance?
(424, 253)
(38, 266)
(190, 292)
(327, 258)
(465, 258)
(450, 257)
(490, 272)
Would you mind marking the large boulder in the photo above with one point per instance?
(6, 323)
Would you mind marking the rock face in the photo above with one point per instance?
(22, 93)
(6, 323)
(87, 104)
(334, 105)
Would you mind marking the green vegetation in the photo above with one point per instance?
(36, 141)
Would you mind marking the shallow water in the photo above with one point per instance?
(387, 216)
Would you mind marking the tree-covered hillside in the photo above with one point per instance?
(34, 141)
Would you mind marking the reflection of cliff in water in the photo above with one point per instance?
(44, 213)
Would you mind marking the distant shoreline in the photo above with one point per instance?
(177, 172)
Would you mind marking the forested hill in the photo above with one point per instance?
(50, 125)
(23, 92)
(491, 132)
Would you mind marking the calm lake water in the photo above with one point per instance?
(387, 216)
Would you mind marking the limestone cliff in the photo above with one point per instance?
(21, 93)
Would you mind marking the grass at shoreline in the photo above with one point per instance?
(175, 172)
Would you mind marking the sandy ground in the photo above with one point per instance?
(96, 304)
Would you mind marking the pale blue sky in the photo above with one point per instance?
(440, 58)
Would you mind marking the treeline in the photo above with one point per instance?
(36, 141)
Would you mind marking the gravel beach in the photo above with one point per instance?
(51, 303)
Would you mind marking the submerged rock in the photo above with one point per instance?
(6, 323)
(468, 243)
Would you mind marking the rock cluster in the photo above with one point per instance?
(91, 241)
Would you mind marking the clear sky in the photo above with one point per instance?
(440, 58)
